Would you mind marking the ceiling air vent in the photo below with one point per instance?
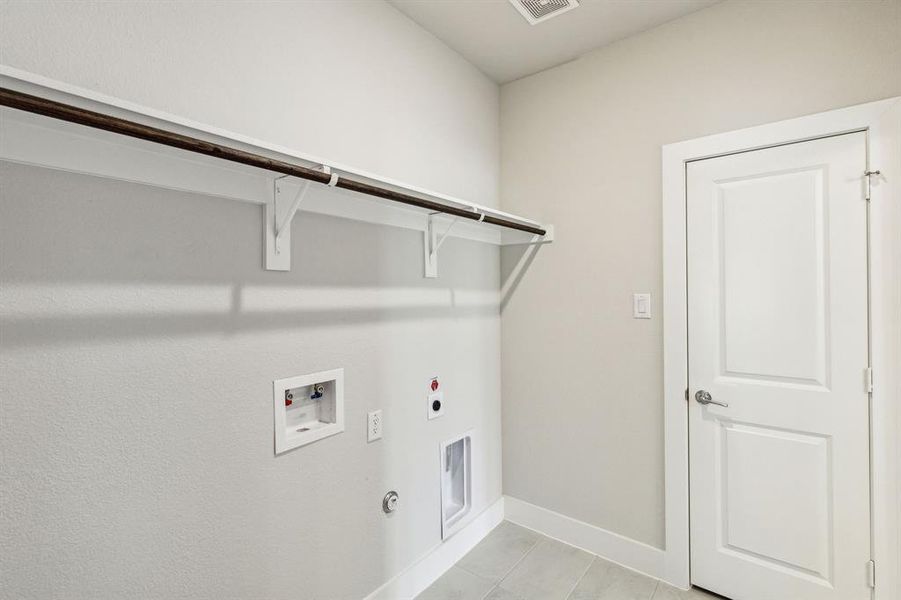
(536, 11)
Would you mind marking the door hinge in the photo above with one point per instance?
(868, 379)
(871, 573)
(686, 394)
(868, 176)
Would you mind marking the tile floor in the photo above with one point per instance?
(514, 563)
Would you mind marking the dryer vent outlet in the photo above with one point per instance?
(538, 11)
(456, 483)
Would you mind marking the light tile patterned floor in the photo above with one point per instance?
(514, 563)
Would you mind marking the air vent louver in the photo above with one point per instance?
(536, 11)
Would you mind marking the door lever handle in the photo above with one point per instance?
(704, 397)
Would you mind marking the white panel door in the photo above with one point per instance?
(777, 317)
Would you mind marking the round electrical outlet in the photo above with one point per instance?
(435, 405)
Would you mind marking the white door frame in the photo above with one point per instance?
(882, 122)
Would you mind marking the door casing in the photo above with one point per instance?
(881, 121)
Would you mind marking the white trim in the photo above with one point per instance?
(882, 121)
(624, 551)
(885, 357)
(608, 545)
(424, 572)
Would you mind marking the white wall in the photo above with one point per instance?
(140, 336)
(354, 82)
(583, 411)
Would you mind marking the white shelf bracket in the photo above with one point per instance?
(432, 242)
(279, 214)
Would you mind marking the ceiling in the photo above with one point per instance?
(494, 37)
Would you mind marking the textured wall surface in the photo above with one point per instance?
(581, 149)
(353, 82)
(138, 352)
(139, 335)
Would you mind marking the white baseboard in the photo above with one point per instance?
(606, 544)
(407, 584)
(624, 551)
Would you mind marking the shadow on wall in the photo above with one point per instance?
(515, 263)
(88, 259)
(139, 336)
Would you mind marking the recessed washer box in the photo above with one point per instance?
(307, 408)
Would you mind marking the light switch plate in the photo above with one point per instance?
(641, 306)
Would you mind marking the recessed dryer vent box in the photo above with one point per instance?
(456, 483)
(307, 408)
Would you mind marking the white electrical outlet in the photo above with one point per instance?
(374, 428)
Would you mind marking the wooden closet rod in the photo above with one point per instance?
(73, 114)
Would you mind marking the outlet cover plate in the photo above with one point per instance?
(435, 397)
(641, 306)
(374, 426)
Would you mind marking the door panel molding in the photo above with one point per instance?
(882, 123)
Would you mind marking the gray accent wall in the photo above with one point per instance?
(582, 379)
